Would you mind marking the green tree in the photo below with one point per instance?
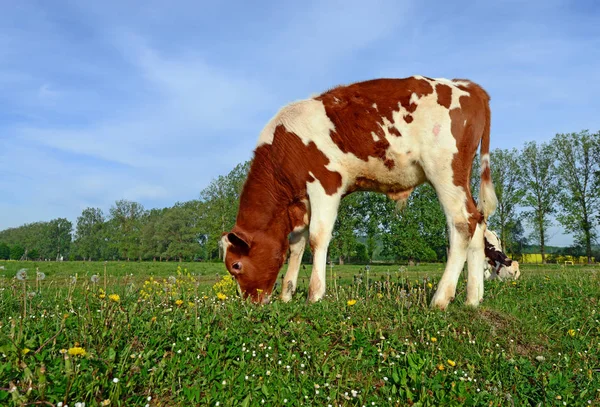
(343, 240)
(16, 252)
(152, 246)
(126, 222)
(369, 209)
(221, 203)
(178, 227)
(578, 195)
(58, 237)
(538, 183)
(4, 251)
(89, 236)
(476, 176)
(506, 166)
(417, 231)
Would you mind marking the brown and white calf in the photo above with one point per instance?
(384, 135)
(498, 265)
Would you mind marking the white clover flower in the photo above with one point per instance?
(115, 380)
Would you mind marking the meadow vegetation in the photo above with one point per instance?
(165, 334)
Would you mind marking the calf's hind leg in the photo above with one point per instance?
(466, 243)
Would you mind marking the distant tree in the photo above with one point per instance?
(178, 228)
(16, 252)
(221, 203)
(4, 251)
(56, 239)
(476, 176)
(126, 219)
(539, 186)
(362, 256)
(370, 206)
(33, 254)
(152, 246)
(506, 166)
(89, 236)
(418, 231)
(343, 239)
(578, 195)
(515, 238)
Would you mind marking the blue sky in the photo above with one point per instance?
(151, 100)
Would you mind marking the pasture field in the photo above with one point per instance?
(170, 334)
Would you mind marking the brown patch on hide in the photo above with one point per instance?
(294, 161)
(362, 109)
(393, 130)
(444, 95)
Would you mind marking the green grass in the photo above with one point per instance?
(530, 343)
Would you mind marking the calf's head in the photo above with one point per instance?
(254, 262)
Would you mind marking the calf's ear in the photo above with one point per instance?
(239, 239)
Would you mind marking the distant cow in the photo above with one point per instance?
(384, 135)
(498, 265)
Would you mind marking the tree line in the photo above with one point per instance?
(538, 186)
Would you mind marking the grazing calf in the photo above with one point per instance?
(384, 135)
(498, 265)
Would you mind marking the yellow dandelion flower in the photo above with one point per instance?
(429, 285)
(65, 316)
(514, 283)
(379, 295)
(115, 297)
(105, 402)
(102, 296)
(441, 366)
(178, 302)
(451, 362)
(221, 296)
(571, 332)
(25, 351)
(351, 302)
(77, 351)
(153, 319)
(433, 339)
